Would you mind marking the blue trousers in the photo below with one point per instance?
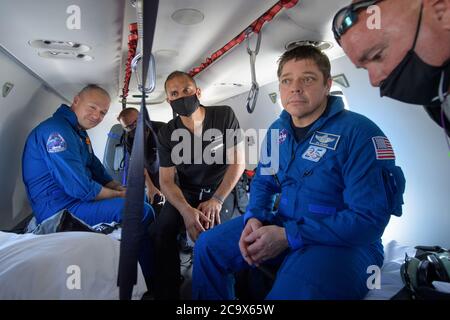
(311, 272)
(108, 210)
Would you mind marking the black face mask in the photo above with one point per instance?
(413, 80)
(185, 106)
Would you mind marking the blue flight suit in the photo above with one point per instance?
(60, 171)
(338, 185)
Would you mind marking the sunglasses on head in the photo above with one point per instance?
(348, 16)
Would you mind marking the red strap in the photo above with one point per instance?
(132, 45)
(249, 173)
(255, 27)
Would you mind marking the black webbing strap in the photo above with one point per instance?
(149, 22)
(132, 227)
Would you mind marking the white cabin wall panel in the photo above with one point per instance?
(28, 104)
(265, 113)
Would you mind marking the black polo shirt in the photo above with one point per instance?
(200, 161)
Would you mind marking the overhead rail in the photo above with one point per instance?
(254, 27)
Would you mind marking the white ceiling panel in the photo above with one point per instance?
(104, 28)
(101, 29)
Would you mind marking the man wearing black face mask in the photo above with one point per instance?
(128, 119)
(202, 146)
(409, 56)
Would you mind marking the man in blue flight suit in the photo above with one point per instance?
(60, 170)
(338, 186)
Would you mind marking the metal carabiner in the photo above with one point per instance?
(252, 97)
(150, 82)
(258, 42)
(254, 90)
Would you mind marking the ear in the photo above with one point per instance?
(440, 11)
(76, 100)
(198, 93)
(328, 86)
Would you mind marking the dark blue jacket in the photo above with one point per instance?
(339, 185)
(59, 167)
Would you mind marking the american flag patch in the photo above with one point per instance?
(383, 148)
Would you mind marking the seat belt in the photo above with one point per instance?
(132, 227)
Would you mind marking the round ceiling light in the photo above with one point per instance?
(187, 17)
(321, 45)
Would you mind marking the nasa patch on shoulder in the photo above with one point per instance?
(56, 143)
(314, 153)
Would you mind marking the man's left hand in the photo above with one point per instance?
(121, 188)
(211, 209)
(267, 243)
(115, 186)
(151, 193)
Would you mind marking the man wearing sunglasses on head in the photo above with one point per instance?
(408, 57)
(128, 119)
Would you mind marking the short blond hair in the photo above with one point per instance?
(91, 87)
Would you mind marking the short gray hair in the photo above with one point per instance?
(91, 87)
